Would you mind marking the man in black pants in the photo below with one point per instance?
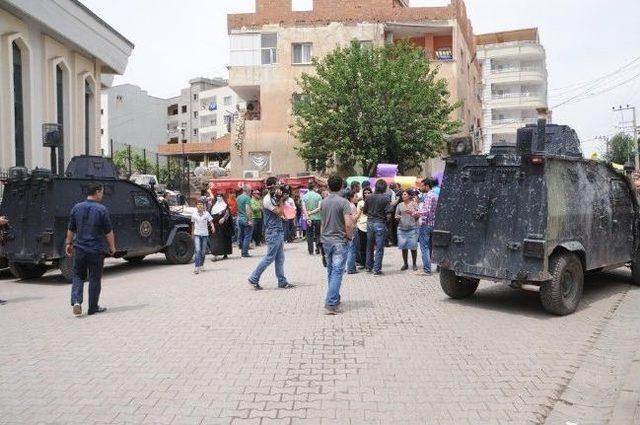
(311, 203)
(88, 230)
(3, 222)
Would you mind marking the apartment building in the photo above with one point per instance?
(54, 57)
(130, 116)
(198, 119)
(514, 76)
(273, 46)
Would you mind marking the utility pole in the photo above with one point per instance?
(635, 132)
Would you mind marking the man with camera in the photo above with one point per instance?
(273, 224)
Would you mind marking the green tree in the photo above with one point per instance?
(365, 106)
(620, 148)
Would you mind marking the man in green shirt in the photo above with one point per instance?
(256, 210)
(245, 222)
(311, 206)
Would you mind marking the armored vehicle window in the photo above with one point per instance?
(142, 200)
(619, 191)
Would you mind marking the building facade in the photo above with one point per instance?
(272, 47)
(53, 57)
(130, 116)
(198, 121)
(514, 75)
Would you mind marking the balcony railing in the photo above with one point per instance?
(514, 95)
(508, 121)
(516, 69)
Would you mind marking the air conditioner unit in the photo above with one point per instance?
(251, 174)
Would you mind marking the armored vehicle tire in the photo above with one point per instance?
(561, 295)
(455, 286)
(181, 249)
(635, 270)
(27, 271)
(3, 263)
(135, 260)
(66, 268)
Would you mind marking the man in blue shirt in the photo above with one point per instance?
(88, 230)
(273, 223)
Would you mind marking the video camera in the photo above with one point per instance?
(278, 192)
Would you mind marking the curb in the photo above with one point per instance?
(627, 407)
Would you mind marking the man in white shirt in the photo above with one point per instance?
(201, 220)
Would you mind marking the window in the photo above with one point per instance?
(89, 131)
(227, 101)
(260, 161)
(268, 44)
(301, 53)
(195, 96)
(301, 5)
(119, 98)
(195, 131)
(142, 201)
(102, 131)
(213, 121)
(18, 105)
(60, 103)
(214, 136)
(184, 109)
(101, 111)
(195, 114)
(172, 110)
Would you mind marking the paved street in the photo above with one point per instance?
(175, 348)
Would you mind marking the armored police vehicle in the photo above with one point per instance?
(37, 204)
(536, 215)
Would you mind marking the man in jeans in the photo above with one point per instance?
(427, 210)
(376, 207)
(89, 227)
(337, 231)
(273, 223)
(245, 222)
(311, 203)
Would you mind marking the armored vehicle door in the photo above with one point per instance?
(622, 215)
(146, 232)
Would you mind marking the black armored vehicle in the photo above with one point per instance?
(37, 204)
(537, 215)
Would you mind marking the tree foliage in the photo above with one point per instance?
(620, 148)
(167, 175)
(365, 106)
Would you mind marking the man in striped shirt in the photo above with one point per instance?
(427, 211)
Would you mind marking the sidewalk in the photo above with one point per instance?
(606, 385)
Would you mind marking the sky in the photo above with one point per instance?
(591, 46)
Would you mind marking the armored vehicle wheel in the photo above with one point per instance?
(3, 263)
(561, 295)
(181, 250)
(455, 286)
(66, 268)
(27, 271)
(135, 260)
(635, 270)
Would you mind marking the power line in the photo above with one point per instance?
(586, 94)
(579, 86)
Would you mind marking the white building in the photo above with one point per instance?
(514, 76)
(53, 56)
(130, 116)
(217, 106)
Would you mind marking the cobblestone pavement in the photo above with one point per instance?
(174, 348)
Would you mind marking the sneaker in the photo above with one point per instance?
(287, 286)
(403, 268)
(77, 310)
(353, 272)
(414, 268)
(97, 310)
(256, 286)
(423, 273)
(361, 267)
(196, 270)
(369, 271)
(332, 310)
(378, 274)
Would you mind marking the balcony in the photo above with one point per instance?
(518, 100)
(520, 49)
(209, 129)
(510, 125)
(531, 74)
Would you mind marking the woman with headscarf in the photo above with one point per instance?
(221, 240)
